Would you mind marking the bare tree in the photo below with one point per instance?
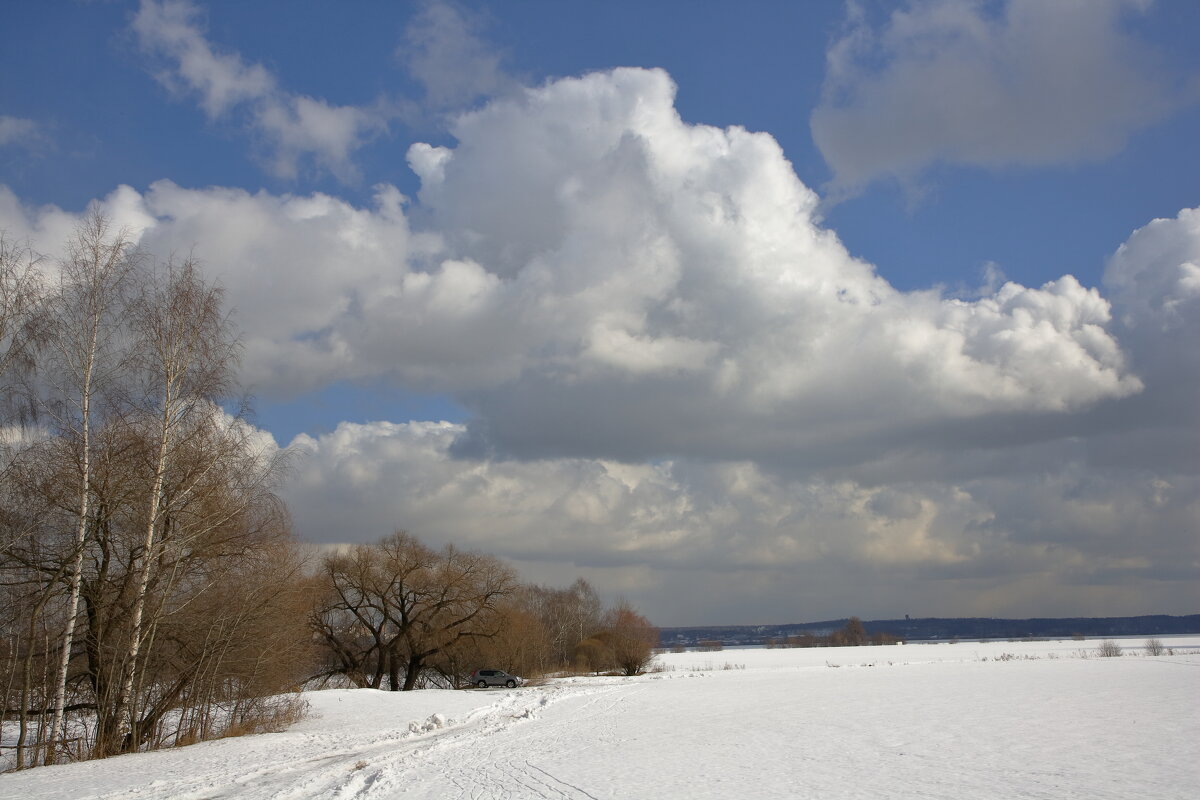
(23, 594)
(153, 572)
(86, 322)
(632, 639)
(455, 601)
(850, 635)
(21, 322)
(521, 646)
(187, 354)
(568, 615)
(350, 619)
(395, 607)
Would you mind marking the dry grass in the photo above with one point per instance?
(268, 715)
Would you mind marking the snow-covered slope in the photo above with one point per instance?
(1025, 720)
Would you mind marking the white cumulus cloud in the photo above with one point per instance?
(592, 275)
(675, 274)
(701, 386)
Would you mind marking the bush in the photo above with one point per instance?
(633, 639)
(1108, 649)
(594, 654)
(1154, 647)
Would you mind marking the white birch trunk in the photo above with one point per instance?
(125, 709)
(76, 579)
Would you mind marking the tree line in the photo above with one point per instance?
(151, 590)
(852, 634)
(399, 615)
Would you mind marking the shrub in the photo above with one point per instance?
(1154, 647)
(594, 654)
(1108, 649)
(266, 715)
(633, 639)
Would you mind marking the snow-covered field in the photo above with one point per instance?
(967, 720)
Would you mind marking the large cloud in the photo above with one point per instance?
(592, 275)
(1154, 280)
(948, 82)
(702, 385)
(683, 298)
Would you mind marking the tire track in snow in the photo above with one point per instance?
(483, 755)
(346, 767)
(491, 760)
(467, 760)
(495, 765)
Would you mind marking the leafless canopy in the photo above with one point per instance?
(147, 568)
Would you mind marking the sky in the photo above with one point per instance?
(747, 312)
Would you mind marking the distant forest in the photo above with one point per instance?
(938, 629)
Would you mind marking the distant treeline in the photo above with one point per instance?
(939, 629)
(853, 634)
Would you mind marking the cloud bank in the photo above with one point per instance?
(659, 288)
(766, 547)
(676, 374)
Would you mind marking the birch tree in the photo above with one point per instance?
(86, 311)
(187, 355)
(149, 588)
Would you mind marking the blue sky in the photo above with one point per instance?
(831, 308)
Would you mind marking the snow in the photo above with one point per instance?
(996, 719)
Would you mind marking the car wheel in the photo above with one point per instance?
(511, 684)
(482, 684)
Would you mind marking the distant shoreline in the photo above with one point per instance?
(938, 629)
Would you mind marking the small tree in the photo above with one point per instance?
(594, 654)
(568, 616)
(633, 639)
(1154, 647)
(854, 632)
(1108, 649)
(395, 609)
